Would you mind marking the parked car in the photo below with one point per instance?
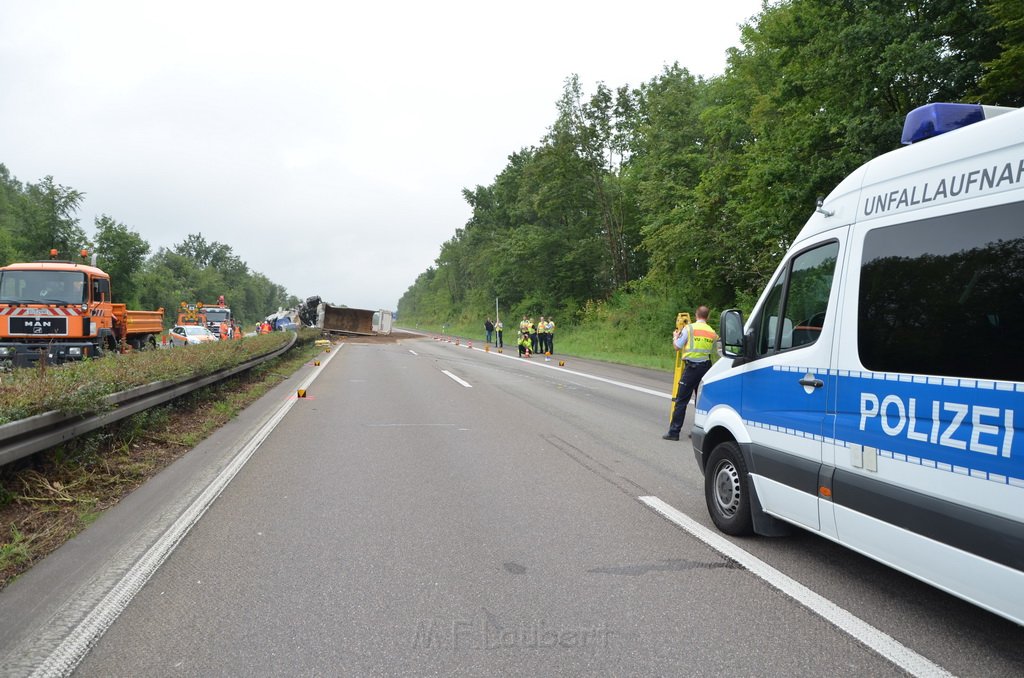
(182, 335)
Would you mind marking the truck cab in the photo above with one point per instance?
(62, 310)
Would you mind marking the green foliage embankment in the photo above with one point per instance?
(688, 190)
(79, 388)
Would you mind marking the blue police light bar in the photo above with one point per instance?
(932, 120)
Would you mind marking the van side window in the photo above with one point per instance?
(800, 297)
(945, 296)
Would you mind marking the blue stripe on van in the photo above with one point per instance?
(963, 426)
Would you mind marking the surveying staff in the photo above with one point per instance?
(524, 345)
(697, 341)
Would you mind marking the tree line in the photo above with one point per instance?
(35, 218)
(688, 190)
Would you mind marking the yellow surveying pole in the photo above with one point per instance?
(682, 320)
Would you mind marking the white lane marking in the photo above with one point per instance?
(464, 383)
(562, 370)
(413, 352)
(877, 640)
(63, 660)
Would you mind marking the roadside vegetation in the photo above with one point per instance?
(643, 200)
(628, 329)
(50, 497)
(79, 388)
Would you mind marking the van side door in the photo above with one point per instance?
(787, 387)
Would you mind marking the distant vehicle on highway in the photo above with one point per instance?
(183, 335)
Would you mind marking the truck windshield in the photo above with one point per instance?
(216, 315)
(42, 287)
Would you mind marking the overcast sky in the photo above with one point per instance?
(327, 143)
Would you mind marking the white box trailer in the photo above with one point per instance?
(382, 322)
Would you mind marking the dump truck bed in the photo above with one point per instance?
(345, 320)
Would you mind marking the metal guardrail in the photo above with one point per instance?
(27, 436)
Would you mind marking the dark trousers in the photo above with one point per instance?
(498, 339)
(692, 374)
(489, 336)
(533, 342)
(551, 342)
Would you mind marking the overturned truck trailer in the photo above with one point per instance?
(344, 320)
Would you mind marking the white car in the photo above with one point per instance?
(182, 335)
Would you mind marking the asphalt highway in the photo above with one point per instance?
(431, 509)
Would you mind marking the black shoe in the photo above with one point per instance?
(669, 436)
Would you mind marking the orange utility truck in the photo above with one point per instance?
(221, 313)
(62, 310)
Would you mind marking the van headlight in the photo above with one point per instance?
(75, 350)
(6, 350)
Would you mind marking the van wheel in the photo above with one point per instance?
(726, 490)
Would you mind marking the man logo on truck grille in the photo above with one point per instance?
(35, 326)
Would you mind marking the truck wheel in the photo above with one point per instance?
(726, 490)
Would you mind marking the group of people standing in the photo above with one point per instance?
(536, 337)
(696, 341)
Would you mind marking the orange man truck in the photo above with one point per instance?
(221, 313)
(61, 311)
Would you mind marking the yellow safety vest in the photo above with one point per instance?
(700, 341)
(542, 328)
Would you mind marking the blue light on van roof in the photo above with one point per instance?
(931, 120)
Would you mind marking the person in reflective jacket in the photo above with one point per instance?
(697, 341)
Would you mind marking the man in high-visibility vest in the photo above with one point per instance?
(697, 341)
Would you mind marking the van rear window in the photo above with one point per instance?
(945, 296)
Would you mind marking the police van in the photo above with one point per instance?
(876, 394)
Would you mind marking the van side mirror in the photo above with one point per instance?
(731, 326)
